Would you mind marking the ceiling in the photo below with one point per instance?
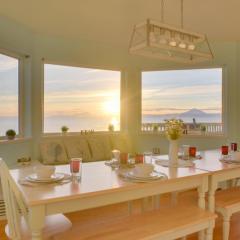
(111, 21)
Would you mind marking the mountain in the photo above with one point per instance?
(193, 113)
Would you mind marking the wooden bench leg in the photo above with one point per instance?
(209, 233)
(201, 235)
(226, 227)
(129, 207)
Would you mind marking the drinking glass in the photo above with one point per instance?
(139, 158)
(124, 158)
(224, 150)
(147, 157)
(192, 151)
(76, 168)
(185, 151)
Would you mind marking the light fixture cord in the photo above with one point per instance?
(181, 13)
(162, 11)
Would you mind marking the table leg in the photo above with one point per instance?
(36, 221)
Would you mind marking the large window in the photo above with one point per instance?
(9, 115)
(195, 96)
(80, 98)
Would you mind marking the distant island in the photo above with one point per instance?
(199, 115)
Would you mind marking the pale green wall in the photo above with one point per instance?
(92, 54)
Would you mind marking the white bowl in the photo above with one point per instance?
(236, 156)
(44, 171)
(143, 169)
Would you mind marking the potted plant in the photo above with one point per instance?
(64, 129)
(155, 127)
(10, 134)
(110, 127)
(203, 128)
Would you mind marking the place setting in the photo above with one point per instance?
(186, 157)
(142, 173)
(47, 174)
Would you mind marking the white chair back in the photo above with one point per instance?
(11, 205)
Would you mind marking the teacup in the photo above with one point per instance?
(44, 171)
(236, 156)
(143, 169)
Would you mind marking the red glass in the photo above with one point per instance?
(192, 151)
(234, 147)
(123, 158)
(224, 150)
(75, 166)
(139, 158)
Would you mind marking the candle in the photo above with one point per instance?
(123, 158)
(192, 151)
(234, 147)
(224, 150)
(139, 158)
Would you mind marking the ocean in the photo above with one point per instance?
(76, 124)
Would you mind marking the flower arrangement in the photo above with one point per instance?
(174, 128)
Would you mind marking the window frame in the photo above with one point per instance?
(20, 59)
(44, 61)
(224, 97)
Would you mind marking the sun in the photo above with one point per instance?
(112, 107)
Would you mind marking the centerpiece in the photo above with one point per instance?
(173, 131)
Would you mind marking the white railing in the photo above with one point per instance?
(190, 128)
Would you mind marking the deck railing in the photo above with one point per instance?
(190, 128)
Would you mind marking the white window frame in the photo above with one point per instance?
(44, 61)
(224, 96)
(20, 59)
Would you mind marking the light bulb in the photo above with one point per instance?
(173, 43)
(182, 45)
(191, 47)
(152, 37)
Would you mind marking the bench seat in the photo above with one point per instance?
(165, 224)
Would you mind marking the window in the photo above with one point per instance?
(194, 95)
(9, 106)
(80, 98)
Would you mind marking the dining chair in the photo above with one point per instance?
(17, 212)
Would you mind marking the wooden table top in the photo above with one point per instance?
(97, 179)
(210, 161)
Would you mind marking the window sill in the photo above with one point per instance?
(16, 140)
(72, 134)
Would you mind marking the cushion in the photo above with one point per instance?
(78, 147)
(53, 152)
(120, 142)
(97, 148)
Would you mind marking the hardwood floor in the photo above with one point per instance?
(101, 214)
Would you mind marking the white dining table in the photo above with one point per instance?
(99, 186)
(219, 171)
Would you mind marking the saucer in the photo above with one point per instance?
(53, 178)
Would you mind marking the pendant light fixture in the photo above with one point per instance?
(159, 40)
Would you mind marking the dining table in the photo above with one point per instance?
(100, 185)
(220, 171)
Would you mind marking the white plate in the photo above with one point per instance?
(54, 178)
(152, 175)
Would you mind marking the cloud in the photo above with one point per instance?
(7, 63)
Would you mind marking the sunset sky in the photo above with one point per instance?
(88, 93)
(180, 90)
